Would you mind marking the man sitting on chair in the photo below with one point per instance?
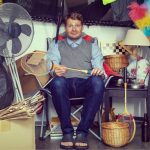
(74, 49)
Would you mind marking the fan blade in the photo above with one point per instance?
(14, 13)
(3, 38)
(16, 45)
(2, 24)
(26, 29)
(12, 18)
(3, 46)
(2, 50)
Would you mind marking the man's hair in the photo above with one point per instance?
(74, 16)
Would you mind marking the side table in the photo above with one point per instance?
(111, 91)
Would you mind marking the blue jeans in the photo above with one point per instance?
(64, 88)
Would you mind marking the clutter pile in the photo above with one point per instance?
(24, 109)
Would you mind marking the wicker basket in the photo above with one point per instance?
(116, 62)
(115, 134)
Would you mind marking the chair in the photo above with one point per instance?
(74, 103)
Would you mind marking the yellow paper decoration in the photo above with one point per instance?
(144, 22)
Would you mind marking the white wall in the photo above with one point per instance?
(103, 33)
(43, 30)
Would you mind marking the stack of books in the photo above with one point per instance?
(55, 128)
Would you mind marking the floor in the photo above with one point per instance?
(94, 144)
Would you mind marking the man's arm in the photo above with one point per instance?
(97, 60)
(53, 53)
(54, 56)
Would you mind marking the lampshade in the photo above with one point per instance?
(136, 37)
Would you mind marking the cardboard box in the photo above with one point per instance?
(17, 134)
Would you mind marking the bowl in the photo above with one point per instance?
(137, 86)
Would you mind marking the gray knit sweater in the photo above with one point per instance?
(78, 57)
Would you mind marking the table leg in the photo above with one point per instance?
(148, 107)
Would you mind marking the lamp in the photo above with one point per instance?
(136, 37)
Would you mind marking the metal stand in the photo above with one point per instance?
(10, 62)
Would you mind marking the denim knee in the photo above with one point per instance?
(97, 84)
(58, 83)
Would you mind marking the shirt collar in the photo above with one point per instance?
(74, 43)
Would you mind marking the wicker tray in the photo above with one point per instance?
(115, 134)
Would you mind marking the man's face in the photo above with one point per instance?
(74, 29)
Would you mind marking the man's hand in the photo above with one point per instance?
(60, 70)
(97, 72)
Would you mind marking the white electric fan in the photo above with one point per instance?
(16, 34)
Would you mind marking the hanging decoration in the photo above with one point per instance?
(140, 15)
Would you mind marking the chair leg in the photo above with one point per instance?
(47, 132)
(42, 125)
(100, 119)
(43, 134)
(99, 123)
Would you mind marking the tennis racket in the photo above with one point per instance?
(38, 64)
(126, 116)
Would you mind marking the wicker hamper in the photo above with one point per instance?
(116, 62)
(115, 134)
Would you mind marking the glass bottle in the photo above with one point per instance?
(145, 129)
